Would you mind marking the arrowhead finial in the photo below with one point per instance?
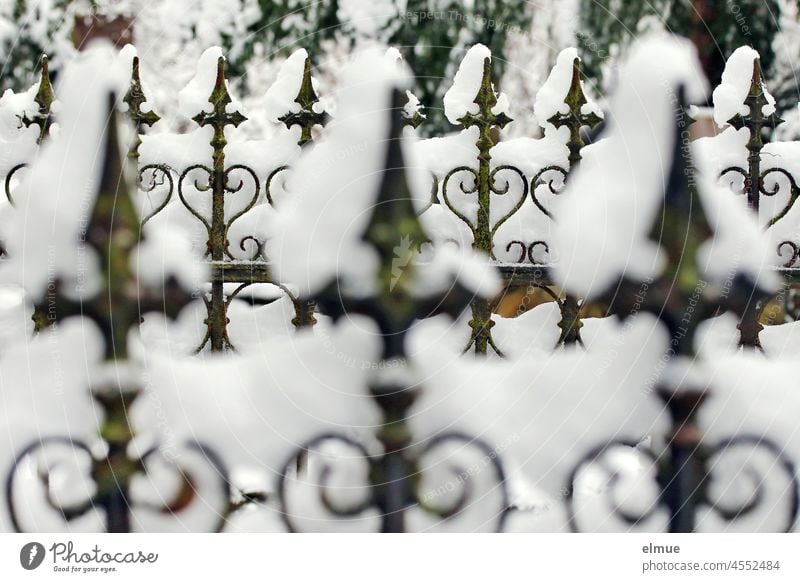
(575, 119)
(44, 99)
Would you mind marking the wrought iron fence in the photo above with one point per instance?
(684, 467)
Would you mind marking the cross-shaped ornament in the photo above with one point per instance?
(307, 117)
(756, 121)
(219, 117)
(134, 98)
(487, 123)
(575, 119)
(485, 120)
(682, 298)
(112, 233)
(394, 232)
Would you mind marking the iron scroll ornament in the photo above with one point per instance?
(468, 184)
(697, 489)
(377, 486)
(111, 476)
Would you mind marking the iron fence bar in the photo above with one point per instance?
(756, 123)
(113, 233)
(575, 120)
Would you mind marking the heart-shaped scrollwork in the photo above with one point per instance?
(555, 178)
(498, 185)
(151, 177)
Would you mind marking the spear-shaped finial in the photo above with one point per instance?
(44, 99)
(395, 233)
(307, 117)
(112, 233)
(485, 120)
(575, 119)
(134, 98)
(756, 121)
(393, 230)
(682, 297)
(756, 100)
(219, 117)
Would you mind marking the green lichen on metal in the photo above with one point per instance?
(113, 473)
(487, 123)
(413, 120)
(135, 98)
(575, 119)
(307, 116)
(44, 99)
(218, 119)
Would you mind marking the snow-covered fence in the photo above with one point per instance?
(398, 431)
(493, 195)
(474, 187)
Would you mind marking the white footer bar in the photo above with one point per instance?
(396, 558)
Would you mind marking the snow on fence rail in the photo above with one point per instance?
(384, 425)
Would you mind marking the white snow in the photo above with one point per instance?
(736, 80)
(43, 393)
(194, 97)
(258, 409)
(279, 98)
(59, 190)
(460, 97)
(608, 208)
(550, 97)
(546, 414)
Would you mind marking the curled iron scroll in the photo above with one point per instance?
(198, 186)
(463, 478)
(235, 188)
(9, 178)
(726, 509)
(777, 187)
(332, 507)
(555, 183)
(526, 251)
(159, 175)
(184, 498)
